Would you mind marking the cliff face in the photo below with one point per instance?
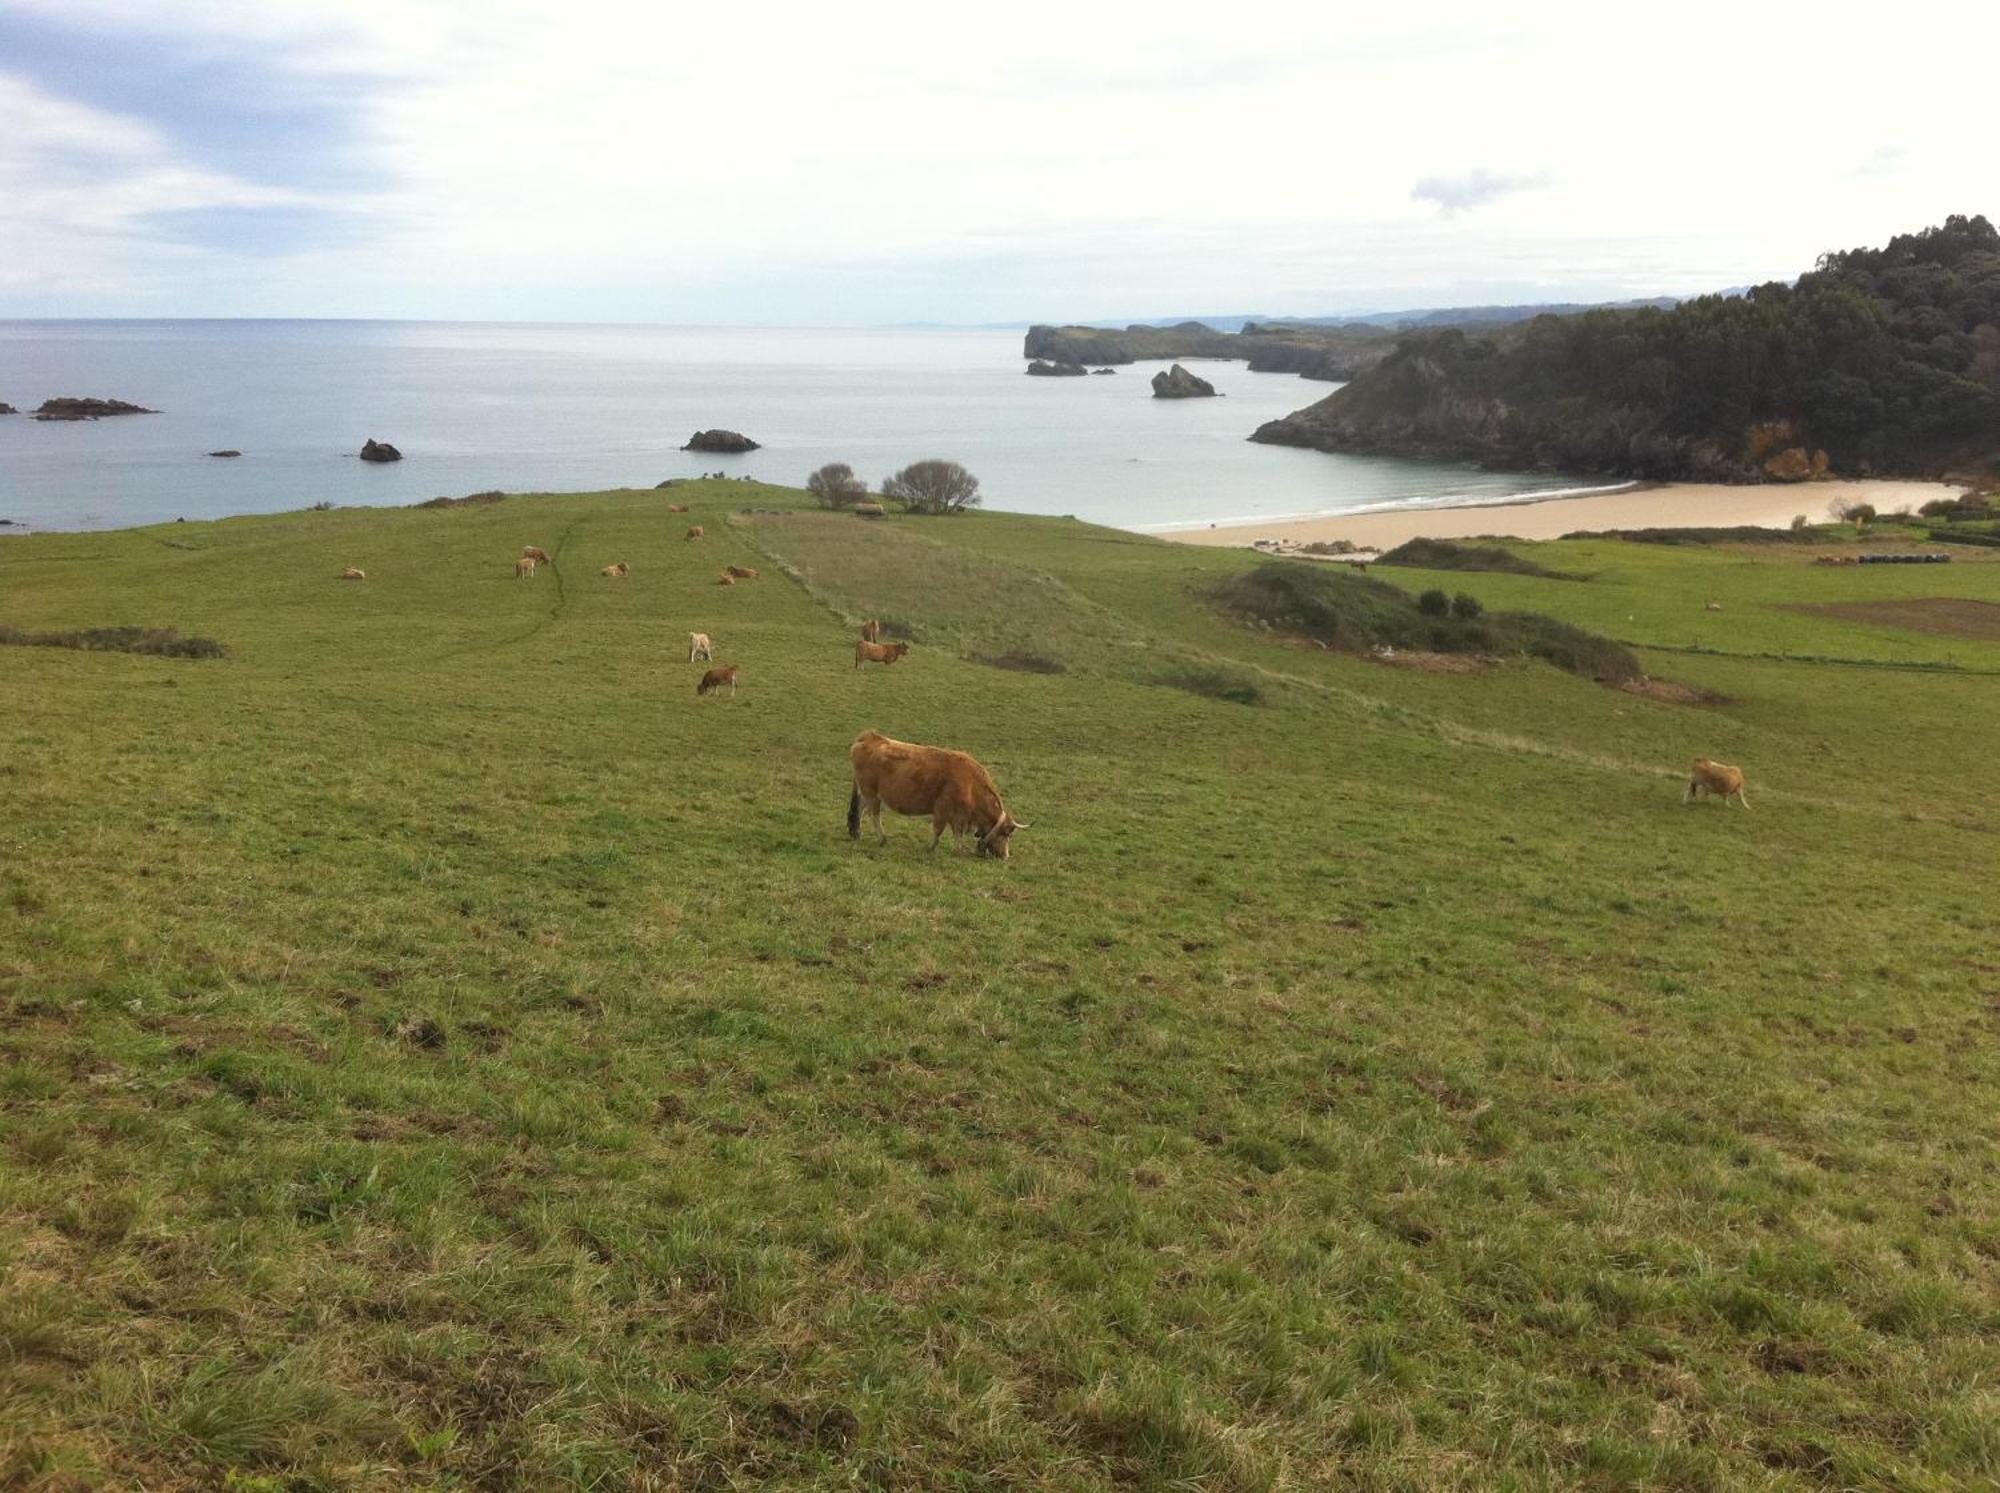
(1335, 354)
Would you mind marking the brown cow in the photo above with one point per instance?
(743, 572)
(716, 679)
(677, 508)
(524, 568)
(871, 632)
(354, 573)
(538, 555)
(949, 786)
(1718, 778)
(880, 653)
(620, 569)
(700, 648)
(695, 532)
(725, 579)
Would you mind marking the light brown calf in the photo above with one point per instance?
(743, 572)
(677, 508)
(871, 632)
(715, 679)
(878, 653)
(354, 573)
(536, 553)
(620, 569)
(1719, 778)
(695, 532)
(700, 648)
(725, 579)
(949, 786)
(524, 568)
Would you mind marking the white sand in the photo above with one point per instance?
(1665, 505)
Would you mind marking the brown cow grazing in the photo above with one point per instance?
(354, 573)
(725, 579)
(677, 508)
(742, 572)
(695, 532)
(620, 569)
(1718, 778)
(879, 653)
(524, 568)
(949, 786)
(717, 678)
(871, 632)
(700, 648)
(536, 553)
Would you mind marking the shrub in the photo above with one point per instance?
(1020, 663)
(1214, 684)
(1798, 522)
(1465, 607)
(1570, 648)
(1439, 554)
(933, 487)
(836, 486)
(1434, 603)
(161, 642)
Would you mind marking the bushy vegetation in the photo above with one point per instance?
(1446, 554)
(835, 486)
(933, 487)
(1878, 360)
(1357, 614)
(1798, 533)
(162, 642)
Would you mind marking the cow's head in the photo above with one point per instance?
(900, 648)
(994, 841)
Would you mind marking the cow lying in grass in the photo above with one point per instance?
(743, 572)
(695, 532)
(878, 653)
(949, 786)
(524, 568)
(619, 569)
(354, 573)
(700, 648)
(716, 679)
(1719, 778)
(534, 552)
(725, 579)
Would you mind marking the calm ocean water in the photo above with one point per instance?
(536, 408)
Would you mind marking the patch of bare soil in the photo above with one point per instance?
(1942, 616)
(1673, 691)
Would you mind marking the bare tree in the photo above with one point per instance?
(836, 486)
(933, 487)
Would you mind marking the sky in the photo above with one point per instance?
(879, 163)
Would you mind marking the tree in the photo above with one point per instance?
(836, 486)
(1434, 603)
(933, 487)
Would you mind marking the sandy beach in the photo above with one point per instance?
(1658, 505)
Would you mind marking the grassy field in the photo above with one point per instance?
(439, 1051)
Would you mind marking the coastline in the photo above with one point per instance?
(1642, 506)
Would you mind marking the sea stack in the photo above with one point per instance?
(728, 442)
(88, 409)
(231, 452)
(1042, 369)
(374, 450)
(1178, 383)
(8, 409)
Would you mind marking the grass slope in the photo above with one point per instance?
(439, 1051)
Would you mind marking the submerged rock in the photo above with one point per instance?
(230, 452)
(1104, 370)
(374, 450)
(728, 442)
(88, 409)
(1178, 383)
(1041, 369)
(8, 409)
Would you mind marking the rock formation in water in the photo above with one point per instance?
(8, 409)
(88, 409)
(231, 452)
(374, 450)
(1041, 369)
(1104, 370)
(1178, 383)
(727, 442)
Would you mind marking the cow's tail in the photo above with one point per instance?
(854, 814)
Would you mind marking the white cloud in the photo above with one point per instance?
(889, 161)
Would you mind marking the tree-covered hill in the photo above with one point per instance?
(1883, 361)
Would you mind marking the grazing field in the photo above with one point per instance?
(438, 1050)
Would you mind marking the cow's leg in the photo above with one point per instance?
(1688, 797)
(875, 809)
(1743, 798)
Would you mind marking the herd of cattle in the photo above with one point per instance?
(953, 788)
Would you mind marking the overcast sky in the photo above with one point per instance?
(871, 163)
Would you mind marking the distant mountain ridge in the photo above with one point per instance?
(1878, 361)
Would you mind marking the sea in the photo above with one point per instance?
(529, 407)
